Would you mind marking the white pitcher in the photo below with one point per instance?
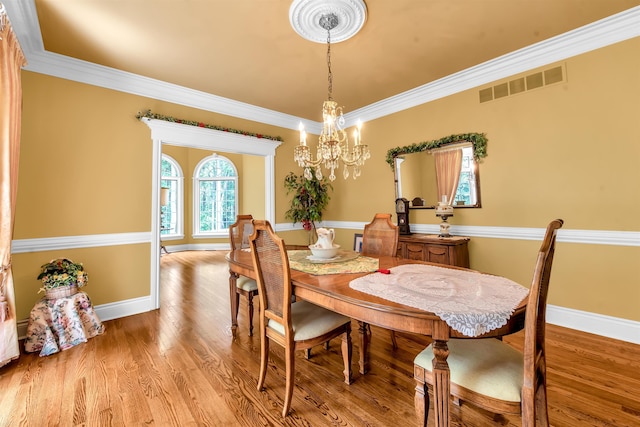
(325, 238)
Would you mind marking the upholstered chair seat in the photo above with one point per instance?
(485, 366)
(246, 284)
(310, 321)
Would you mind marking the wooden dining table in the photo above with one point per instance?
(333, 292)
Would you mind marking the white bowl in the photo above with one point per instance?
(324, 253)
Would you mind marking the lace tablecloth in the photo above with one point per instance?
(61, 324)
(470, 302)
(360, 264)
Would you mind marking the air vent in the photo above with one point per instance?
(523, 84)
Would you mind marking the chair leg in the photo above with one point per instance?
(237, 305)
(540, 411)
(394, 343)
(264, 357)
(250, 303)
(421, 402)
(347, 353)
(290, 361)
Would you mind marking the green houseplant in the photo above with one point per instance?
(310, 199)
(62, 277)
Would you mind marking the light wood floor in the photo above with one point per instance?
(178, 366)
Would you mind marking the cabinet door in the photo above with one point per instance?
(415, 251)
(438, 254)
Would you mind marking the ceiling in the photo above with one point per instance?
(246, 50)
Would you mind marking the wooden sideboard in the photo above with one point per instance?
(429, 247)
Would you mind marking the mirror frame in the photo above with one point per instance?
(477, 140)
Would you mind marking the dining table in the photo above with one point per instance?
(403, 295)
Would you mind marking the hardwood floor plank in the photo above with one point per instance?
(179, 366)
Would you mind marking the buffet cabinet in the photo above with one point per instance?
(429, 247)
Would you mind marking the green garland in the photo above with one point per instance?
(148, 114)
(479, 141)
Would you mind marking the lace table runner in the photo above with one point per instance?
(470, 302)
(362, 264)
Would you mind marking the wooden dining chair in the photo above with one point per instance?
(490, 373)
(239, 233)
(380, 238)
(295, 326)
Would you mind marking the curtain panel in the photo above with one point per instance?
(11, 61)
(448, 167)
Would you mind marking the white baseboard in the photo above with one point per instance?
(593, 323)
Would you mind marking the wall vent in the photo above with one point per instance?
(523, 84)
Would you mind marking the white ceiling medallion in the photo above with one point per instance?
(305, 16)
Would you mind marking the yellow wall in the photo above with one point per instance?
(115, 274)
(569, 150)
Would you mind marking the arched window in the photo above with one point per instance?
(215, 183)
(172, 205)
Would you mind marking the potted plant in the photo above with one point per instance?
(310, 199)
(61, 278)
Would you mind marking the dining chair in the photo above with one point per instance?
(296, 325)
(380, 238)
(490, 373)
(239, 233)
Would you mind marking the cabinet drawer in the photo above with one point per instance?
(438, 254)
(415, 251)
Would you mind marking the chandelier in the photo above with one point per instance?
(333, 143)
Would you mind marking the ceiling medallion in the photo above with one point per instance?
(304, 16)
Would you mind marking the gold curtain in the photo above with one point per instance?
(448, 167)
(11, 60)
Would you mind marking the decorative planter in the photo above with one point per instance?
(61, 292)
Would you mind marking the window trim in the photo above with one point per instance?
(197, 234)
(179, 233)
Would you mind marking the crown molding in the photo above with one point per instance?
(23, 15)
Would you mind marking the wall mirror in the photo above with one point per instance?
(415, 171)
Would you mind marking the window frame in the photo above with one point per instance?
(197, 233)
(178, 197)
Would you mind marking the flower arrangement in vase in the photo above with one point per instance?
(62, 277)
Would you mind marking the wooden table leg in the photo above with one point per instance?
(363, 329)
(441, 375)
(232, 298)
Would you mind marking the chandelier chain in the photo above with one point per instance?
(330, 76)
